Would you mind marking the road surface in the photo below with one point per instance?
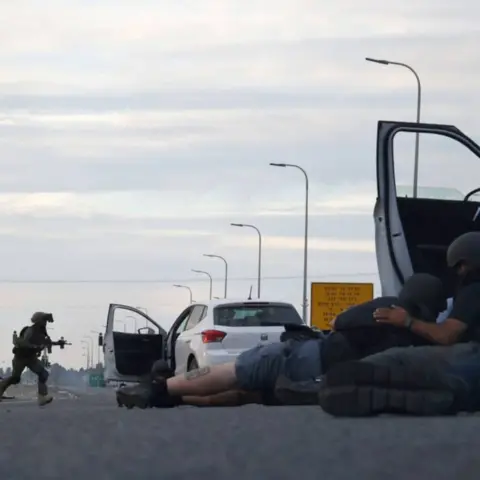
(83, 435)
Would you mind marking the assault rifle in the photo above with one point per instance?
(59, 343)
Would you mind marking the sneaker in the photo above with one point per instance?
(44, 400)
(365, 389)
(161, 369)
(146, 395)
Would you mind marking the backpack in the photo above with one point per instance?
(22, 351)
(22, 331)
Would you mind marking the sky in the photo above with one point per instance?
(134, 132)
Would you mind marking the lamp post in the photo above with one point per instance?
(85, 355)
(259, 275)
(189, 291)
(146, 313)
(226, 270)
(305, 248)
(419, 106)
(209, 276)
(134, 321)
(90, 339)
(98, 346)
(124, 325)
(85, 342)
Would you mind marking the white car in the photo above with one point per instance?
(205, 333)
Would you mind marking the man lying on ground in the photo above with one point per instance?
(428, 380)
(259, 374)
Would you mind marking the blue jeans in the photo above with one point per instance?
(258, 369)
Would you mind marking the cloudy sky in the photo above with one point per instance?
(133, 132)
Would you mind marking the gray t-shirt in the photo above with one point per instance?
(444, 315)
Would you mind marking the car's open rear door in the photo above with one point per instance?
(129, 356)
(412, 234)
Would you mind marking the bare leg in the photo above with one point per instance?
(204, 381)
(231, 398)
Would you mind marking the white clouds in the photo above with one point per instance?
(297, 243)
(186, 206)
(48, 26)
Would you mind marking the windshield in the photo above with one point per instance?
(255, 315)
(431, 192)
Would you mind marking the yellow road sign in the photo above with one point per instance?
(330, 299)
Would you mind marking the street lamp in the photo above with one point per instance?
(124, 325)
(88, 351)
(226, 269)
(209, 276)
(305, 248)
(189, 290)
(90, 339)
(86, 356)
(146, 313)
(419, 105)
(134, 321)
(259, 278)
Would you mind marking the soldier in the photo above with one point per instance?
(27, 349)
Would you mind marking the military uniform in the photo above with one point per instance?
(27, 348)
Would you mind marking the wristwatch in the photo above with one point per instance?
(408, 322)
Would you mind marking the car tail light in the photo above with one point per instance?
(212, 336)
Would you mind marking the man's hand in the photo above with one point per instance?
(395, 316)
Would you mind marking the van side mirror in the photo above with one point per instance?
(100, 340)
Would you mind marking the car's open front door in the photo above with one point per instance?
(131, 344)
(412, 233)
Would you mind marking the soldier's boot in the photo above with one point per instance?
(44, 399)
(3, 388)
(43, 396)
(4, 384)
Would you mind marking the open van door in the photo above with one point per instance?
(129, 356)
(412, 234)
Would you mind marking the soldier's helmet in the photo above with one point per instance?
(423, 295)
(466, 249)
(39, 317)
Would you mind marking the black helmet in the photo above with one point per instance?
(465, 248)
(39, 317)
(423, 295)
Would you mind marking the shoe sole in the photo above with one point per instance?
(356, 389)
(48, 402)
(131, 401)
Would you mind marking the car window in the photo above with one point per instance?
(195, 316)
(255, 315)
(186, 315)
(182, 325)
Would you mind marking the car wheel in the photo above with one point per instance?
(192, 364)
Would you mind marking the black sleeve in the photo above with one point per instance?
(466, 306)
(362, 315)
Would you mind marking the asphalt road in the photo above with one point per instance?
(85, 435)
